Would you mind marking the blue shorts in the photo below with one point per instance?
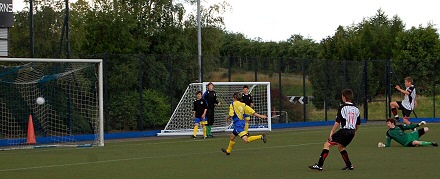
(239, 128)
(247, 117)
(200, 120)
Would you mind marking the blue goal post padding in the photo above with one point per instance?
(123, 135)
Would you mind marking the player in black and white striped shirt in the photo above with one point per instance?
(347, 120)
(409, 102)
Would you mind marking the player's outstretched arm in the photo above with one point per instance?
(388, 144)
(260, 115)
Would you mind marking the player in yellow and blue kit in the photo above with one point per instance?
(200, 108)
(237, 110)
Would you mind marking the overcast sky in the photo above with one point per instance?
(277, 20)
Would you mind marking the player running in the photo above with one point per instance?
(237, 110)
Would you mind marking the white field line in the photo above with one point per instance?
(296, 131)
(141, 158)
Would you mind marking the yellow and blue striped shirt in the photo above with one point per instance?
(238, 110)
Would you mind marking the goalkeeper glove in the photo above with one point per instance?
(380, 144)
(422, 123)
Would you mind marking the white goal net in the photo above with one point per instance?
(182, 119)
(72, 113)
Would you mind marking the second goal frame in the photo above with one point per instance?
(181, 122)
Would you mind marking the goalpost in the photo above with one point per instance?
(72, 115)
(182, 119)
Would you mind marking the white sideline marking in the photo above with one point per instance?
(140, 158)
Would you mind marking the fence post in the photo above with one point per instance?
(326, 91)
(141, 101)
(345, 74)
(171, 90)
(106, 112)
(281, 89)
(256, 69)
(304, 90)
(230, 69)
(388, 89)
(366, 90)
(435, 81)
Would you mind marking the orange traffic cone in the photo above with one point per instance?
(31, 139)
(274, 112)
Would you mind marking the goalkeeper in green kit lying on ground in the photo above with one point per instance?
(397, 133)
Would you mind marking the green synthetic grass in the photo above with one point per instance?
(287, 154)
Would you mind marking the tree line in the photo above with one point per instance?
(163, 34)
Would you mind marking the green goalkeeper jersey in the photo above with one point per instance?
(400, 136)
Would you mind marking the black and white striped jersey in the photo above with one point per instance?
(349, 116)
(408, 101)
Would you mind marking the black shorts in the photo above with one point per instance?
(343, 136)
(210, 116)
(405, 112)
(421, 132)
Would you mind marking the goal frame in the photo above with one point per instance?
(224, 128)
(100, 84)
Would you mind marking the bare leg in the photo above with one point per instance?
(394, 107)
(406, 120)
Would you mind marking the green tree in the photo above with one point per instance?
(372, 39)
(48, 18)
(78, 19)
(125, 115)
(417, 50)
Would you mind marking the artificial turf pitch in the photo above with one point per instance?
(286, 154)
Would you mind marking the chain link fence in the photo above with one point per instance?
(302, 89)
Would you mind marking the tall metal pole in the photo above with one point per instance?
(230, 69)
(199, 41)
(141, 91)
(31, 19)
(281, 89)
(62, 38)
(256, 69)
(435, 83)
(326, 91)
(67, 29)
(388, 88)
(366, 97)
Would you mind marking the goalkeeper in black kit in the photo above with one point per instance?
(397, 133)
(210, 97)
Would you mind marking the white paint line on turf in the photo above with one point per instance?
(141, 158)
